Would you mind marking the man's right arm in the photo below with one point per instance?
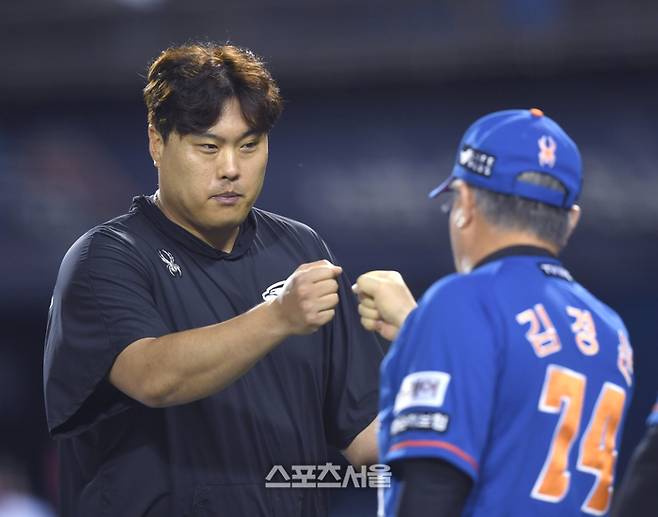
(185, 366)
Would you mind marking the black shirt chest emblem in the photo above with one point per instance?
(169, 260)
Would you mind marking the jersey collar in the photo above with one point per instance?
(147, 206)
(510, 251)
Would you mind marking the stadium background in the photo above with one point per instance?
(377, 95)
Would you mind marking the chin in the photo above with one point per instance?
(228, 221)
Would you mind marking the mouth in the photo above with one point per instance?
(226, 198)
(227, 194)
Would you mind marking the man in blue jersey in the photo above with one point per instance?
(506, 388)
(638, 494)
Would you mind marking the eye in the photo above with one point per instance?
(250, 146)
(208, 148)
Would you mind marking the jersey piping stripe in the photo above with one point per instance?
(438, 444)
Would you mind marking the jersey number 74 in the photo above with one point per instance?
(563, 393)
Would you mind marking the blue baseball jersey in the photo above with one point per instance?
(519, 377)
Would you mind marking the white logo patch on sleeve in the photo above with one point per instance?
(426, 389)
(273, 291)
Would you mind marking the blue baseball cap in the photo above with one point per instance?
(500, 146)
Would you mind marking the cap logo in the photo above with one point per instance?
(476, 161)
(547, 147)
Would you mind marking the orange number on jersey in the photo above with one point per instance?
(597, 448)
(544, 342)
(563, 392)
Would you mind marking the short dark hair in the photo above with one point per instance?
(549, 223)
(189, 84)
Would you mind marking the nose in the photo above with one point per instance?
(228, 167)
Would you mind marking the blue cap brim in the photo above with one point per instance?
(443, 187)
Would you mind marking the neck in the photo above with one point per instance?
(499, 240)
(223, 240)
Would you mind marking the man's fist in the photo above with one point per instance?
(309, 296)
(384, 302)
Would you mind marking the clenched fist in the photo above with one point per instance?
(384, 302)
(309, 296)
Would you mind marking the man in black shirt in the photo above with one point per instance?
(196, 342)
(637, 495)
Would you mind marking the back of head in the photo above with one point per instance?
(525, 170)
(188, 86)
(507, 212)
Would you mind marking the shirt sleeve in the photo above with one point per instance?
(440, 380)
(431, 483)
(637, 495)
(354, 357)
(102, 302)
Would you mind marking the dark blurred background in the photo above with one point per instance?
(377, 95)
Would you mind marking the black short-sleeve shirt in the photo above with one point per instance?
(141, 275)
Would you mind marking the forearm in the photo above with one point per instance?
(363, 449)
(431, 483)
(192, 364)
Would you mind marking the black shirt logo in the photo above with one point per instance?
(168, 259)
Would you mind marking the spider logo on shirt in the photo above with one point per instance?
(168, 259)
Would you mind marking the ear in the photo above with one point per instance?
(574, 217)
(156, 145)
(463, 209)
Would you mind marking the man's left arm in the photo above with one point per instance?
(432, 393)
(363, 449)
(430, 483)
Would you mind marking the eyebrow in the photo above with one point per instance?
(247, 133)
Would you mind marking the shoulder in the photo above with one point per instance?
(456, 305)
(120, 233)
(490, 287)
(455, 291)
(278, 230)
(604, 311)
(453, 320)
(110, 242)
(283, 225)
